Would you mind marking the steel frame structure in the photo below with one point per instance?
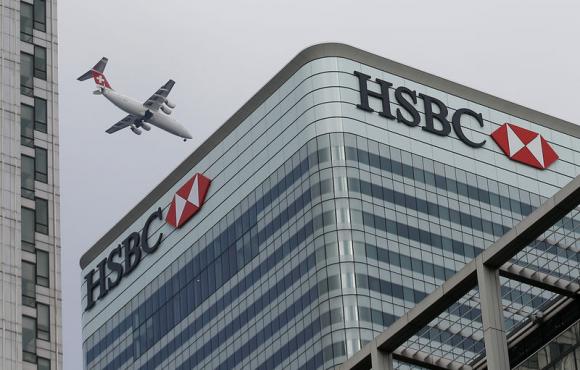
(483, 272)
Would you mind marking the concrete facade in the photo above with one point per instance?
(29, 133)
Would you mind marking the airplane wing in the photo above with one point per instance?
(125, 122)
(157, 99)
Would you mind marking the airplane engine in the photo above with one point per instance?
(135, 130)
(169, 104)
(145, 126)
(166, 110)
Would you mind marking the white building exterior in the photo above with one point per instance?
(30, 290)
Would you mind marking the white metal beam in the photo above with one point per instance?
(381, 360)
(458, 285)
(494, 333)
(539, 279)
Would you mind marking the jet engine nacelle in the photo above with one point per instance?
(166, 110)
(135, 130)
(169, 104)
(145, 126)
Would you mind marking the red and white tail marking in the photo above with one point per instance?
(100, 79)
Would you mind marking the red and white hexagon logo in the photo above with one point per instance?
(188, 200)
(524, 146)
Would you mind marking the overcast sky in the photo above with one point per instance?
(220, 53)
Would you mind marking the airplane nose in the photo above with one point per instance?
(186, 135)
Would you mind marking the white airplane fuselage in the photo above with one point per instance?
(157, 118)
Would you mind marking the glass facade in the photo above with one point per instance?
(26, 74)
(28, 232)
(27, 177)
(40, 119)
(333, 247)
(28, 284)
(29, 339)
(41, 165)
(41, 214)
(39, 62)
(26, 22)
(562, 353)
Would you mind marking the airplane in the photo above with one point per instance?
(140, 114)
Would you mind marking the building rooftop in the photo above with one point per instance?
(307, 55)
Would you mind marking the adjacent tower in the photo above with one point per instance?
(30, 298)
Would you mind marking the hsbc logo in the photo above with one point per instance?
(524, 146)
(436, 121)
(123, 259)
(187, 200)
(517, 143)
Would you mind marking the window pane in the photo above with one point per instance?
(41, 165)
(26, 125)
(40, 114)
(42, 268)
(43, 364)
(26, 73)
(28, 229)
(27, 177)
(40, 15)
(42, 215)
(40, 62)
(28, 284)
(43, 321)
(26, 22)
(29, 338)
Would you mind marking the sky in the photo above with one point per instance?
(220, 53)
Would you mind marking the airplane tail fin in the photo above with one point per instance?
(97, 74)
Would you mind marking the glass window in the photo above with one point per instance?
(42, 268)
(28, 339)
(40, 120)
(27, 125)
(28, 284)
(26, 73)
(25, 22)
(40, 15)
(28, 229)
(41, 164)
(39, 62)
(27, 177)
(43, 364)
(43, 321)
(41, 216)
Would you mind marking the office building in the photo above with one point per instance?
(337, 198)
(30, 308)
